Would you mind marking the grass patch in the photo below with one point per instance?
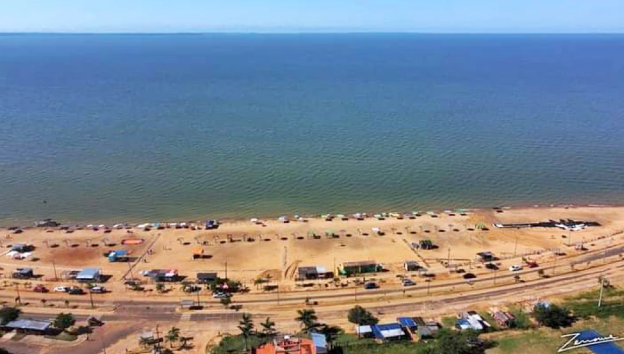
(448, 322)
(389, 348)
(235, 344)
(537, 340)
(548, 341)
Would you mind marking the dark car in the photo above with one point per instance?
(40, 289)
(370, 285)
(491, 266)
(76, 291)
(469, 276)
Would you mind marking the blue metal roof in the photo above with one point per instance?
(406, 322)
(88, 273)
(319, 340)
(34, 325)
(387, 328)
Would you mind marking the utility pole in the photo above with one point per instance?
(54, 267)
(555, 265)
(91, 298)
(157, 338)
(601, 288)
(18, 299)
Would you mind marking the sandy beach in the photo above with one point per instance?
(275, 249)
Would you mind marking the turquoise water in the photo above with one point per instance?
(153, 127)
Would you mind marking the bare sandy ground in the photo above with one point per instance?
(278, 248)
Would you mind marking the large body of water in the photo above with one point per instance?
(155, 127)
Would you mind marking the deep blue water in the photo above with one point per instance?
(149, 127)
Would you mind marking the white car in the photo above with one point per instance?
(515, 268)
(220, 295)
(61, 289)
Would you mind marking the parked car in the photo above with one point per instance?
(98, 290)
(469, 276)
(491, 266)
(74, 290)
(407, 282)
(61, 289)
(370, 285)
(532, 264)
(40, 289)
(515, 268)
(220, 295)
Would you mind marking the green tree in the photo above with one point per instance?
(268, 328)
(521, 320)
(331, 333)
(553, 316)
(160, 287)
(8, 314)
(361, 317)
(540, 273)
(64, 320)
(246, 327)
(225, 301)
(173, 335)
(466, 342)
(308, 320)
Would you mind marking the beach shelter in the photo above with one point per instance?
(198, 252)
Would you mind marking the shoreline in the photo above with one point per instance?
(309, 216)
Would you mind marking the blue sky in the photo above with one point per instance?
(456, 16)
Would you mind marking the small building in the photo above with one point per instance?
(23, 273)
(313, 272)
(22, 247)
(364, 331)
(485, 256)
(358, 267)
(411, 266)
(163, 275)
(471, 320)
(287, 345)
(504, 319)
(29, 326)
(118, 256)
(408, 323)
(88, 275)
(205, 278)
(389, 332)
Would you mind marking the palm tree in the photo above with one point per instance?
(268, 328)
(331, 333)
(308, 319)
(258, 281)
(246, 327)
(173, 335)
